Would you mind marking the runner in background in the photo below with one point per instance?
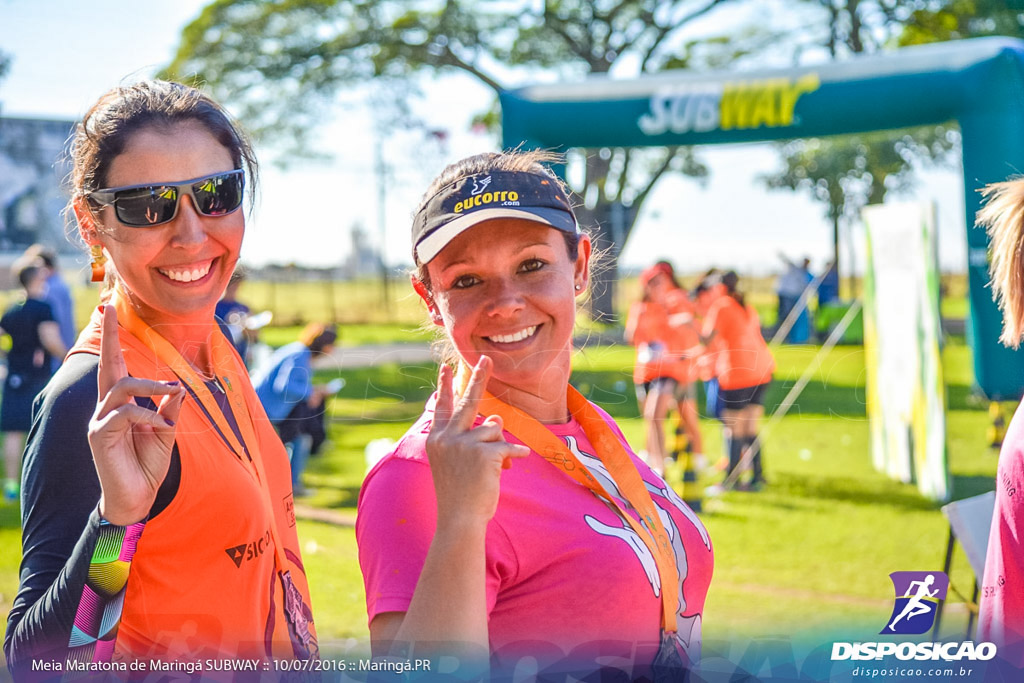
(647, 330)
(58, 295)
(662, 327)
(35, 343)
(233, 313)
(295, 405)
(744, 367)
(790, 287)
(708, 290)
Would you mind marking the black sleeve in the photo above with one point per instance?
(60, 521)
(45, 315)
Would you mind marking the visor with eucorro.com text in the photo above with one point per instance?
(471, 200)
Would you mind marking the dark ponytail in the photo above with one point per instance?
(731, 280)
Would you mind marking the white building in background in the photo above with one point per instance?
(363, 260)
(32, 168)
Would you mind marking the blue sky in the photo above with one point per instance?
(66, 53)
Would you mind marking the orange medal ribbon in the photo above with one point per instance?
(614, 457)
(226, 369)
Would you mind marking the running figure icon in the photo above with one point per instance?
(916, 605)
(916, 601)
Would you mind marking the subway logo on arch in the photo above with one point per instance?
(736, 105)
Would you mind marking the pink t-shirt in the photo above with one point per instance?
(567, 577)
(1001, 617)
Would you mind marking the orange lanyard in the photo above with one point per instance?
(226, 369)
(614, 457)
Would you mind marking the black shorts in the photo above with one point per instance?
(666, 385)
(738, 399)
(16, 408)
(304, 419)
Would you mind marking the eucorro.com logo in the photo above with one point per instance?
(913, 613)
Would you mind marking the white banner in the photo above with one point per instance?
(906, 394)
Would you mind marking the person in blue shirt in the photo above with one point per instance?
(234, 314)
(790, 288)
(293, 403)
(828, 290)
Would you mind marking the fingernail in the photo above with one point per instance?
(168, 422)
(173, 383)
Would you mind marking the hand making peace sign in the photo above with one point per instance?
(131, 445)
(466, 462)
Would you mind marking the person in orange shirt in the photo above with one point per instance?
(685, 346)
(707, 291)
(744, 366)
(662, 328)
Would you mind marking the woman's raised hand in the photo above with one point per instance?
(466, 461)
(131, 445)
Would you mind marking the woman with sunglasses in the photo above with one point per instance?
(157, 518)
(506, 524)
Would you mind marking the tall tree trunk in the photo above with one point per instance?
(601, 305)
(835, 239)
(605, 223)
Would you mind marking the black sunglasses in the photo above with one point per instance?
(147, 205)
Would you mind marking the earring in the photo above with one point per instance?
(99, 263)
(579, 287)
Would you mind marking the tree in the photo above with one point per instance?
(939, 21)
(849, 172)
(281, 63)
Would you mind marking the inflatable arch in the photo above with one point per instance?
(977, 83)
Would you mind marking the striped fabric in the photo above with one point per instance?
(99, 611)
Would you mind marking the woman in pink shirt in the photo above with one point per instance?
(1001, 617)
(504, 529)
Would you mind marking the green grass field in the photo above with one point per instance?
(812, 551)
(370, 314)
(810, 554)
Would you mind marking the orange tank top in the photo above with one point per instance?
(684, 339)
(651, 337)
(205, 582)
(742, 358)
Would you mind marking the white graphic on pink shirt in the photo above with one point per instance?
(688, 627)
(631, 539)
